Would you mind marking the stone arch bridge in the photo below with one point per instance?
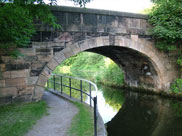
(121, 36)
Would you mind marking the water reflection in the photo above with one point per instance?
(146, 115)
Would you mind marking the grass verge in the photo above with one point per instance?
(17, 119)
(82, 124)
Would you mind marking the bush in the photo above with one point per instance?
(176, 87)
(166, 19)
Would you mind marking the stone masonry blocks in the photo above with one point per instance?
(75, 48)
(67, 52)
(99, 41)
(92, 43)
(8, 91)
(13, 82)
(59, 57)
(2, 67)
(31, 80)
(83, 45)
(42, 80)
(20, 73)
(52, 64)
(46, 72)
(38, 93)
(2, 83)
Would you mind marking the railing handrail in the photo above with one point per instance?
(78, 78)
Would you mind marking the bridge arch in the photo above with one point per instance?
(142, 63)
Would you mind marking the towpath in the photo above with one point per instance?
(58, 120)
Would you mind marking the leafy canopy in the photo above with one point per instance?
(166, 19)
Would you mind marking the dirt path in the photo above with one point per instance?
(61, 112)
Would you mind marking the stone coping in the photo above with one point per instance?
(98, 11)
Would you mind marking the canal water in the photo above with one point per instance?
(127, 113)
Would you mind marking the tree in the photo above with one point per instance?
(166, 19)
(17, 21)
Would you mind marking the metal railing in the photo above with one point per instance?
(58, 85)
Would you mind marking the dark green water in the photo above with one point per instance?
(141, 114)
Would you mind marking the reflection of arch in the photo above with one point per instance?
(114, 47)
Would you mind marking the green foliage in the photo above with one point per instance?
(177, 106)
(17, 24)
(111, 76)
(82, 3)
(17, 119)
(93, 67)
(16, 27)
(179, 61)
(82, 124)
(176, 87)
(113, 97)
(166, 19)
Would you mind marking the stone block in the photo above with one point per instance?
(20, 73)
(46, 72)
(44, 58)
(134, 37)
(27, 51)
(15, 82)
(2, 67)
(68, 52)
(75, 48)
(44, 51)
(116, 30)
(99, 41)
(24, 90)
(15, 66)
(38, 93)
(83, 45)
(31, 80)
(59, 57)
(18, 60)
(5, 59)
(42, 80)
(6, 74)
(9, 91)
(143, 24)
(2, 83)
(92, 43)
(52, 64)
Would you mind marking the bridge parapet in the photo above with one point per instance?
(83, 23)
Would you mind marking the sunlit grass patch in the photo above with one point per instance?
(17, 119)
(82, 124)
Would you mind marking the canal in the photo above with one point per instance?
(127, 113)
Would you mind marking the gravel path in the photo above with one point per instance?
(61, 112)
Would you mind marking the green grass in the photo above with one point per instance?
(17, 119)
(82, 124)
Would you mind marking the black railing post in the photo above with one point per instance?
(48, 84)
(95, 116)
(70, 86)
(90, 91)
(54, 82)
(81, 91)
(61, 85)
